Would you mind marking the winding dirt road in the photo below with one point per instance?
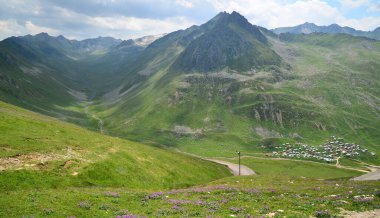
(369, 176)
(234, 168)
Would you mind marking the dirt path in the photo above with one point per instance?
(100, 121)
(304, 161)
(369, 176)
(234, 168)
(365, 214)
(337, 162)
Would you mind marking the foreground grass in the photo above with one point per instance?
(235, 196)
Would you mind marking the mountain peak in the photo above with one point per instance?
(308, 24)
(227, 40)
(42, 35)
(230, 17)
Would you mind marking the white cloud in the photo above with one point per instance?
(10, 28)
(352, 4)
(142, 25)
(374, 7)
(366, 23)
(35, 29)
(21, 17)
(272, 13)
(184, 3)
(13, 28)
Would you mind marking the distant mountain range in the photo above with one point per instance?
(223, 83)
(307, 28)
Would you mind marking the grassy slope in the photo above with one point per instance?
(54, 151)
(331, 90)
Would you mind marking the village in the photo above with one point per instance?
(329, 152)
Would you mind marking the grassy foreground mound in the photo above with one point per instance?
(248, 196)
(41, 152)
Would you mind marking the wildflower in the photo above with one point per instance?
(129, 216)
(200, 203)
(154, 195)
(176, 207)
(85, 205)
(323, 213)
(364, 198)
(224, 200)
(235, 209)
(334, 197)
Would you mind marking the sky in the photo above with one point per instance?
(125, 19)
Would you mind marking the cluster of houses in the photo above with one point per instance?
(329, 152)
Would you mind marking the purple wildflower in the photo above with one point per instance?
(323, 213)
(236, 209)
(224, 200)
(363, 198)
(200, 203)
(85, 205)
(154, 195)
(176, 207)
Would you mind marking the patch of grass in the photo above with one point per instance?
(238, 196)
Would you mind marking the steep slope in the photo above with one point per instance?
(34, 74)
(54, 154)
(57, 76)
(307, 28)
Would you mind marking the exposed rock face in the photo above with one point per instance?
(180, 130)
(266, 133)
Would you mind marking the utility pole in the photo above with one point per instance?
(239, 161)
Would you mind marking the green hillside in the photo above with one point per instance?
(41, 152)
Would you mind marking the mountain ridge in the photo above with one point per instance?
(307, 28)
